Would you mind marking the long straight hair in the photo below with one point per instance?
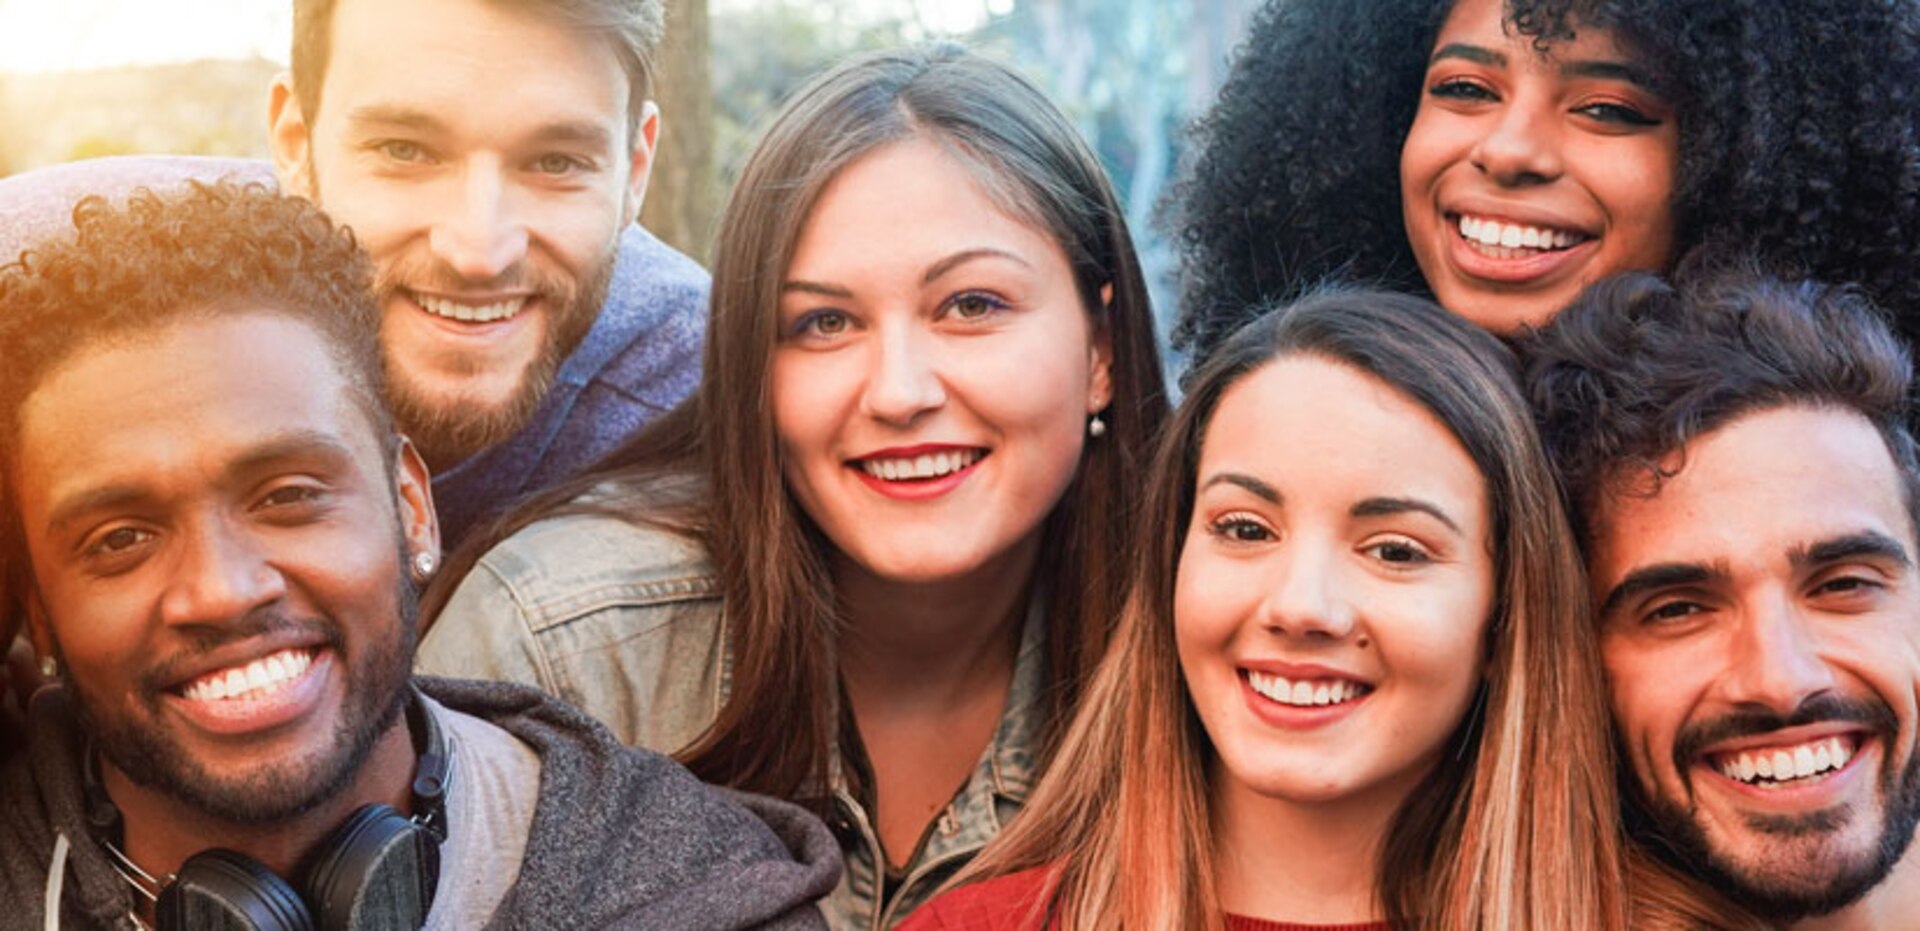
(1516, 829)
(711, 470)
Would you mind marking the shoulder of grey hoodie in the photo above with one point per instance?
(621, 837)
(627, 838)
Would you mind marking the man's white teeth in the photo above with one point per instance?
(931, 465)
(1512, 236)
(1306, 692)
(1782, 764)
(484, 313)
(257, 679)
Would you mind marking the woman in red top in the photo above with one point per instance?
(1355, 685)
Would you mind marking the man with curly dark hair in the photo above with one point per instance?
(1745, 487)
(223, 541)
(1785, 129)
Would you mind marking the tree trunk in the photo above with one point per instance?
(683, 198)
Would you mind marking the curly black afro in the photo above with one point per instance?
(1797, 124)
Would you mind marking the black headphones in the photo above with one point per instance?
(377, 870)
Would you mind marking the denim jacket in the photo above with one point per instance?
(626, 622)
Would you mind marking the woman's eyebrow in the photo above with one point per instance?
(1384, 507)
(1478, 54)
(1606, 70)
(964, 256)
(1258, 488)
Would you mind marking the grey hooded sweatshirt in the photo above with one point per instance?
(620, 837)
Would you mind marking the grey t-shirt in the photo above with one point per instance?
(495, 785)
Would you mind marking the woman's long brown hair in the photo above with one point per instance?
(1516, 828)
(711, 470)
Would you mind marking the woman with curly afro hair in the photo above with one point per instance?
(1498, 155)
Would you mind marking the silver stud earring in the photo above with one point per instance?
(423, 565)
(49, 668)
(1096, 427)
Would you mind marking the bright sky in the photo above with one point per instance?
(69, 35)
(61, 35)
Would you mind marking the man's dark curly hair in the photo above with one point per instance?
(1797, 126)
(1635, 369)
(208, 250)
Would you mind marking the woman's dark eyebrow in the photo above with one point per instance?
(1258, 488)
(1479, 55)
(1606, 70)
(1383, 507)
(964, 256)
(814, 287)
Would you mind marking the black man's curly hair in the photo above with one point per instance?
(1635, 369)
(203, 251)
(1797, 143)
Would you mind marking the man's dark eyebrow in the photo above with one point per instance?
(958, 259)
(1870, 544)
(293, 444)
(581, 133)
(1658, 576)
(390, 116)
(1479, 55)
(105, 498)
(1384, 507)
(271, 452)
(1260, 489)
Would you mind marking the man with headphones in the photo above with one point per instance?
(225, 537)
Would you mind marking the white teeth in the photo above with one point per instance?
(256, 679)
(1305, 693)
(1784, 764)
(454, 310)
(931, 465)
(1496, 234)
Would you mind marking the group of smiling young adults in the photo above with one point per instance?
(881, 562)
(929, 554)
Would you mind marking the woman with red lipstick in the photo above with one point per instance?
(1355, 686)
(1499, 155)
(869, 564)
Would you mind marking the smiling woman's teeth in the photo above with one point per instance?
(932, 465)
(258, 679)
(1306, 692)
(469, 313)
(1495, 234)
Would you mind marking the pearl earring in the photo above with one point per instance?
(423, 565)
(1096, 427)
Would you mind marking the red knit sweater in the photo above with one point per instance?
(1008, 903)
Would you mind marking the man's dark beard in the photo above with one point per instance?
(448, 431)
(375, 695)
(1669, 829)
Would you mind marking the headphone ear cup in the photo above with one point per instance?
(218, 889)
(376, 872)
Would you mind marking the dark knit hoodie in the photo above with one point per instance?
(621, 838)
